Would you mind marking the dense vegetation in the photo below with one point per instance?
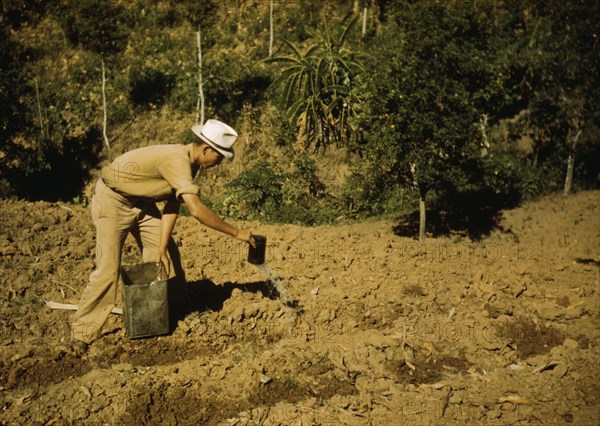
(460, 103)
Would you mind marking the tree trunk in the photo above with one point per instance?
(485, 144)
(364, 21)
(104, 124)
(422, 216)
(570, 164)
(271, 29)
(200, 105)
(39, 107)
(569, 178)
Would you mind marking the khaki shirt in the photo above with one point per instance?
(156, 172)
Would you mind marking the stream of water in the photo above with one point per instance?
(279, 290)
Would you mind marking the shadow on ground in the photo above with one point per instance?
(473, 214)
(207, 295)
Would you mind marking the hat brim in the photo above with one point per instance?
(227, 153)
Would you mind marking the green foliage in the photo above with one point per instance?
(298, 196)
(300, 16)
(562, 60)
(435, 78)
(374, 186)
(12, 85)
(173, 13)
(561, 80)
(307, 184)
(305, 198)
(164, 70)
(101, 28)
(53, 141)
(255, 192)
(322, 88)
(12, 89)
(232, 82)
(24, 11)
(55, 162)
(62, 168)
(446, 74)
(440, 75)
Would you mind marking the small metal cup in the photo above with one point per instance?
(256, 255)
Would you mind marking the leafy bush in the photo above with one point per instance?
(294, 197)
(53, 141)
(59, 171)
(304, 181)
(444, 75)
(375, 185)
(25, 11)
(256, 192)
(13, 87)
(429, 95)
(173, 13)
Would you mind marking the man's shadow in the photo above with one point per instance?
(203, 295)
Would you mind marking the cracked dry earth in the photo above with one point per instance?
(355, 325)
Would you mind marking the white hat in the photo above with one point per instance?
(218, 136)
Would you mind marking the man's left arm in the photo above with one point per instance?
(167, 224)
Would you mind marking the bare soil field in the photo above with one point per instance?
(355, 325)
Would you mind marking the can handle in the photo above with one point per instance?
(161, 270)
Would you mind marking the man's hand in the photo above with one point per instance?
(163, 258)
(246, 235)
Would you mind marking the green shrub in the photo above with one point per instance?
(297, 196)
(255, 193)
(303, 182)
(56, 142)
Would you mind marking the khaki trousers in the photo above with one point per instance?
(115, 216)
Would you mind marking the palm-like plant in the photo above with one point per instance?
(322, 88)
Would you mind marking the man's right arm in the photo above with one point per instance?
(209, 218)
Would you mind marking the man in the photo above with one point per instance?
(124, 201)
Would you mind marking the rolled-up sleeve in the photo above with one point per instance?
(190, 189)
(178, 174)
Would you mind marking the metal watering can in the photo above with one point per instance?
(146, 302)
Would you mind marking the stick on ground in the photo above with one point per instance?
(73, 307)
